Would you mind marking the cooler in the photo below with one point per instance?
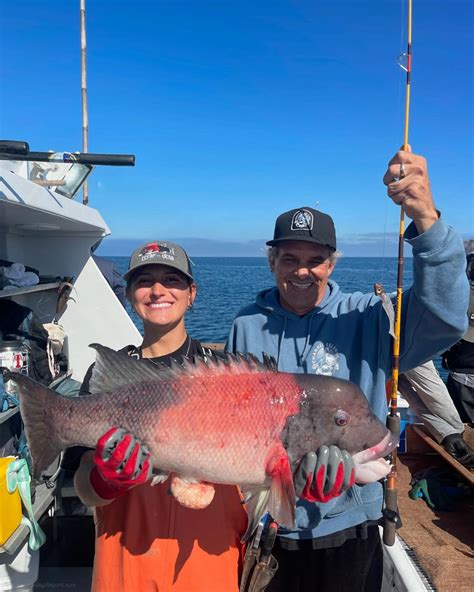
(10, 504)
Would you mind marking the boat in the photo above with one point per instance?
(47, 230)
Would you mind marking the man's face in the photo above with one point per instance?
(301, 271)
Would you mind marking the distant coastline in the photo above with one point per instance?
(358, 246)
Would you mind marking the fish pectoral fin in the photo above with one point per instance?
(256, 505)
(191, 493)
(279, 499)
(282, 497)
(159, 477)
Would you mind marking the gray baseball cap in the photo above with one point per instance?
(160, 253)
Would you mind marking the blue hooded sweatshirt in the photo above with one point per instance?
(347, 336)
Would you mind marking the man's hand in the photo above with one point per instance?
(324, 474)
(408, 185)
(120, 463)
(459, 449)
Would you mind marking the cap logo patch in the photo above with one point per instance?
(302, 220)
(153, 250)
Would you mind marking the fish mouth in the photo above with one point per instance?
(383, 448)
(370, 464)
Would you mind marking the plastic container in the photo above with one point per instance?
(407, 417)
(14, 356)
(403, 409)
(10, 504)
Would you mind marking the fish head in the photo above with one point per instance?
(335, 412)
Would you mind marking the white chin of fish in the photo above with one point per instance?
(370, 465)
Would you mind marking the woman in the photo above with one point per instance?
(145, 539)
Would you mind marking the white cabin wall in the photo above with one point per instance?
(51, 253)
(54, 235)
(94, 315)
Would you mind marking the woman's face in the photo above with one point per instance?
(160, 295)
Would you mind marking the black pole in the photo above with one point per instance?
(14, 147)
(14, 150)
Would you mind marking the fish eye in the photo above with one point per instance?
(341, 418)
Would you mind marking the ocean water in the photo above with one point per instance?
(226, 284)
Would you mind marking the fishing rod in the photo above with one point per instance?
(393, 420)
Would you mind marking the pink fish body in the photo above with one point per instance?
(235, 422)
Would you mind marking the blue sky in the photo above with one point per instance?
(239, 110)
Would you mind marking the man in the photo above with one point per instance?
(459, 359)
(428, 396)
(308, 325)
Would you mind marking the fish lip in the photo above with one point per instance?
(380, 450)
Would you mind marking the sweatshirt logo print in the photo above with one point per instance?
(324, 359)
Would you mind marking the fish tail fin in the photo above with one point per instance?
(36, 402)
(279, 499)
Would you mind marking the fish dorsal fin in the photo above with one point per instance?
(113, 369)
(224, 363)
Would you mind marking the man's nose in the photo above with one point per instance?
(302, 271)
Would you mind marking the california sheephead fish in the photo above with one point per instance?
(233, 420)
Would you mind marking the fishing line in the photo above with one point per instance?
(385, 266)
(390, 512)
(44, 305)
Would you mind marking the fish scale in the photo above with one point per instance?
(209, 434)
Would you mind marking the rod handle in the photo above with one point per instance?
(393, 424)
(390, 514)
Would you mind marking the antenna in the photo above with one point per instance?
(85, 115)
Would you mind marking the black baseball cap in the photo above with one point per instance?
(305, 224)
(160, 253)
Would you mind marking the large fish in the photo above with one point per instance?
(232, 421)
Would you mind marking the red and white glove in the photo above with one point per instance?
(324, 474)
(121, 462)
